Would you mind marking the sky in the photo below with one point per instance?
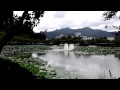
(53, 20)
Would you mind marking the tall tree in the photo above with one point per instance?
(14, 25)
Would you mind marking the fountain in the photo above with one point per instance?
(71, 46)
(65, 46)
(68, 47)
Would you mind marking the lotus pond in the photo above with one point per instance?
(83, 62)
(25, 57)
(98, 50)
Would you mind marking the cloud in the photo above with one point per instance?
(98, 23)
(53, 20)
(18, 13)
(61, 14)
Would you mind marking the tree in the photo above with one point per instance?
(63, 38)
(14, 25)
(40, 36)
(109, 15)
(69, 37)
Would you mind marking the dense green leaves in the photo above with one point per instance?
(13, 25)
(99, 50)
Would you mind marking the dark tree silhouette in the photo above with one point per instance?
(109, 15)
(41, 36)
(69, 37)
(14, 25)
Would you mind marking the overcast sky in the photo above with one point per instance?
(53, 20)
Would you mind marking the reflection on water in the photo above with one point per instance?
(68, 46)
(117, 56)
(91, 66)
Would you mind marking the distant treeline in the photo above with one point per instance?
(40, 38)
(25, 38)
(79, 41)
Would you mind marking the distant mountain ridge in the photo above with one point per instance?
(84, 32)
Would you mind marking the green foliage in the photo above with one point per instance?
(22, 39)
(97, 41)
(69, 37)
(26, 38)
(30, 67)
(2, 34)
(14, 25)
(36, 66)
(98, 50)
(27, 55)
(21, 49)
(40, 36)
(63, 38)
(12, 70)
(31, 19)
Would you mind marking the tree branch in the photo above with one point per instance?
(12, 30)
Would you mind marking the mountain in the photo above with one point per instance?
(84, 32)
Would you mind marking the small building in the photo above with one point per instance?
(110, 38)
(87, 38)
(60, 36)
(57, 37)
(84, 37)
(77, 34)
(90, 38)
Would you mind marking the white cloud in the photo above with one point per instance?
(61, 14)
(53, 20)
(18, 12)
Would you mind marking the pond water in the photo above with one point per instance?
(90, 66)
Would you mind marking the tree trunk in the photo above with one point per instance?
(8, 36)
(13, 29)
(5, 39)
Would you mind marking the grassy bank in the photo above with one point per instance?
(21, 56)
(12, 70)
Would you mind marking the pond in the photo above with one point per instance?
(88, 65)
(68, 60)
